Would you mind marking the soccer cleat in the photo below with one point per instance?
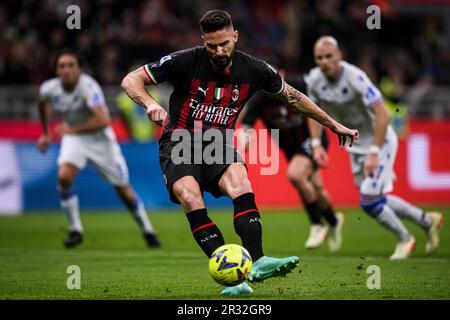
(242, 288)
(403, 249)
(335, 233)
(433, 232)
(268, 267)
(73, 239)
(317, 235)
(152, 240)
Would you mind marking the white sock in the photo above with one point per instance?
(389, 220)
(142, 219)
(404, 209)
(70, 206)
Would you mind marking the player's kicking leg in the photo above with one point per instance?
(247, 223)
(137, 209)
(69, 202)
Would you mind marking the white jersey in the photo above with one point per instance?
(349, 99)
(75, 106)
(99, 147)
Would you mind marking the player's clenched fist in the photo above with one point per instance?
(43, 143)
(157, 114)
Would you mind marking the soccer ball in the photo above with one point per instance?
(230, 265)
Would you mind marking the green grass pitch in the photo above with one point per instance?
(116, 264)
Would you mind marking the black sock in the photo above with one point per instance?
(329, 215)
(313, 210)
(205, 231)
(248, 225)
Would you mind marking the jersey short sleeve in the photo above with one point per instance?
(92, 93)
(272, 82)
(370, 95)
(170, 67)
(45, 91)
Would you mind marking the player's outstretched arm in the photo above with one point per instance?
(44, 115)
(134, 85)
(306, 106)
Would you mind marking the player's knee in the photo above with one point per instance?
(188, 197)
(65, 181)
(297, 177)
(127, 194)
(373, 205)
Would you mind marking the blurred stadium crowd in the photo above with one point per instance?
(412, 47)
(116, 35)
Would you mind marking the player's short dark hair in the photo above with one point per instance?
(215, 20)
(68, 51)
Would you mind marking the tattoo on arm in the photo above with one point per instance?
(306, 106)
(290, 95)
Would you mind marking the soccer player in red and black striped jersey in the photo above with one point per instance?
(211, 85)
(296, 143)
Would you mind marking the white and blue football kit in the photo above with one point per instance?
(350, 99)
(98, 148)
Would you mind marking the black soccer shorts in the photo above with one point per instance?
(207, 174)
(304, 148)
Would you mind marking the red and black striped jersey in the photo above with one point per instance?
(201, 93)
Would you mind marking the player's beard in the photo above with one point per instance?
(221, 62)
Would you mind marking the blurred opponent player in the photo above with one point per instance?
(345, 91)
(211, 85)
(302, 171)
(86, 138)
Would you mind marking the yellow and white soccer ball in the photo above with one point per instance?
(230, 265)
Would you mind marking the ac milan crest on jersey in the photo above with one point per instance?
(235, 94)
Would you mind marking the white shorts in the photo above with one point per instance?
(382, 181)
(99, 150)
